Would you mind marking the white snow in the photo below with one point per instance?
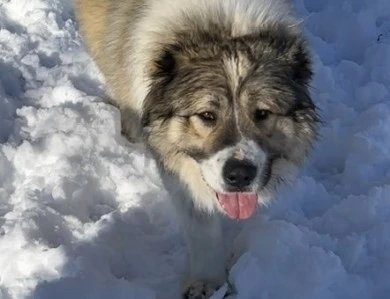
(82, 211)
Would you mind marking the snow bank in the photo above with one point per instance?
(83, 213)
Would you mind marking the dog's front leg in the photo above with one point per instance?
(206, 252)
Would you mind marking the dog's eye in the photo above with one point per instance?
(262, 114)
(208, 117)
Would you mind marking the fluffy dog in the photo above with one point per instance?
(218, 91)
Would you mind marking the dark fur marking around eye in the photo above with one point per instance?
(209, 118)
(261, 115)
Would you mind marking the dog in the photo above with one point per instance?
(218, 91)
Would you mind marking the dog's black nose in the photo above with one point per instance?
(239, 173)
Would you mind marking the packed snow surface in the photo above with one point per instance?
(83, 213)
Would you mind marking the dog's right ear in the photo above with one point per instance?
(166, 65)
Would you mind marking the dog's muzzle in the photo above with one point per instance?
(238, 174)
(235, 175)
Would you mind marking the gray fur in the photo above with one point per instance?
(167, 70)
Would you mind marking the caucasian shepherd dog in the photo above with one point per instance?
(218, 91)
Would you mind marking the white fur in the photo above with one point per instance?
(197, 209)
(245, 149)
(203, 233)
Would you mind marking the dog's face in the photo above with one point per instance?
(231, 120)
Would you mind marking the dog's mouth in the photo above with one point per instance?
(238, 205)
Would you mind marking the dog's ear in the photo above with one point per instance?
(299, 59)
(166, 65)
(289, 48)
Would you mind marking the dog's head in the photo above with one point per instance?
(231, 118)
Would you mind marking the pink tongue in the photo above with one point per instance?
(240, 205)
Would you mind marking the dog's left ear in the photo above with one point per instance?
(165, 65)
(300, 60)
